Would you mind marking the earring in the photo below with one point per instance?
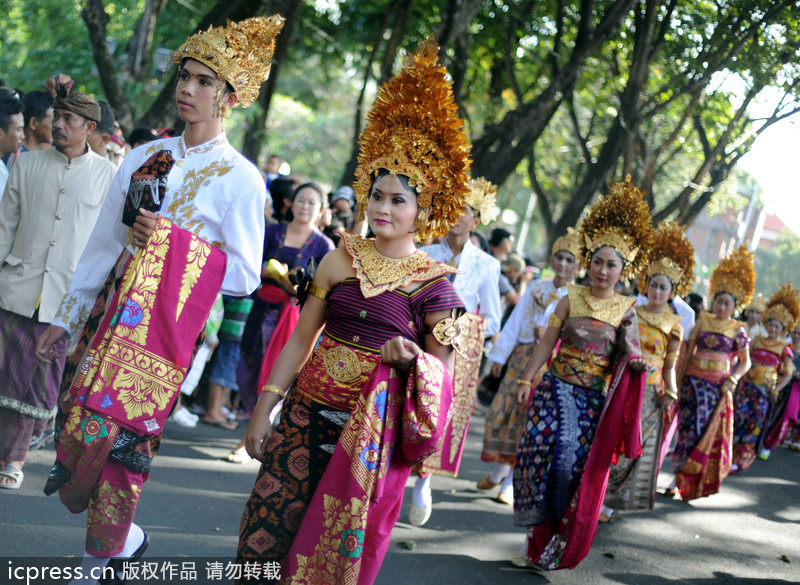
(422, 220)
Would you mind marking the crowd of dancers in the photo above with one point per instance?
(359, 364)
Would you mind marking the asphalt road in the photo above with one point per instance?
(749, 534)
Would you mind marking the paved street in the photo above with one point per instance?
(747, 535)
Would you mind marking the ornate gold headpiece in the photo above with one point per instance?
(482, 197)
(735, 275)
(570, 242)
(240, 53)
(759, 303)
(621, 220)
(784, 306)
(414, 130)
(673, 256)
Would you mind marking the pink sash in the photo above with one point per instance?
(618, 431)
(447, 459)
(139, 356)
(287, 321)
(345, 530)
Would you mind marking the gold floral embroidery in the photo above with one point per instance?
(150, 262)
(342, 364)
(65, 309)
(145, 382)
(196, 259)
(377, 273)
(583, 304)
(181, 210)
(116, 505)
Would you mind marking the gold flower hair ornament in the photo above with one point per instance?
(673, 256)
(414, 130)
(620, 219)
(482, 197)
(240, 54)
(570, 242)
(735, 275)
(784, 306)
(759, 303)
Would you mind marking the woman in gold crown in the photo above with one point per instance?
(506, 420)
(375, 396)
(701, 458)
(765, 381)
(632, 483)
(564, 455)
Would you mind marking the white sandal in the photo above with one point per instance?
(12, 472)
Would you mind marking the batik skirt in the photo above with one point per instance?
(751, 407)
(506, 420)
(552, 452)
(632, 482)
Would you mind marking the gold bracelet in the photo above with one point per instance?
(732, 380)
(274, 389)
(521, 382)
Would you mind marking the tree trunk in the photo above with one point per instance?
(254, 139)
(96, 20)
(505, 144)
(141, 43)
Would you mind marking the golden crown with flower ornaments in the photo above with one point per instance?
(784, 307)
(240, 53)
(482, 198)
(673, 256)
(414, 130)
(620, 219)
(735, 275)
(570, 242)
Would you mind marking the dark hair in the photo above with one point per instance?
(483, 244)
(35, 104)
(613, 248)
(107, 119)
(497, 236)
(724, 292)
(402, 178)
(142, 134)
(10, 105)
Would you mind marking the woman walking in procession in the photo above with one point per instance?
(702, 455)
(590, 397)
(376, 395)
(632, 482)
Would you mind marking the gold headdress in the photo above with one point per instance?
(735, 275)
(784, 306)
(759, 303)
(571, 242)
(621, 220)
(673, 256)
(482, 197)
(414, 130)
(240, 53)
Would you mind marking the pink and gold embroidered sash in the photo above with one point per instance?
(139, 356)
(345, 531)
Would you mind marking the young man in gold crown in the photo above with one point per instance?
(183, 219)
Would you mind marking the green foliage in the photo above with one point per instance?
(778, 265)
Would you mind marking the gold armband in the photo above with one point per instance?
(521, 382)
(672, 355)
(555, 321)
(318, 292)
(274, 389)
